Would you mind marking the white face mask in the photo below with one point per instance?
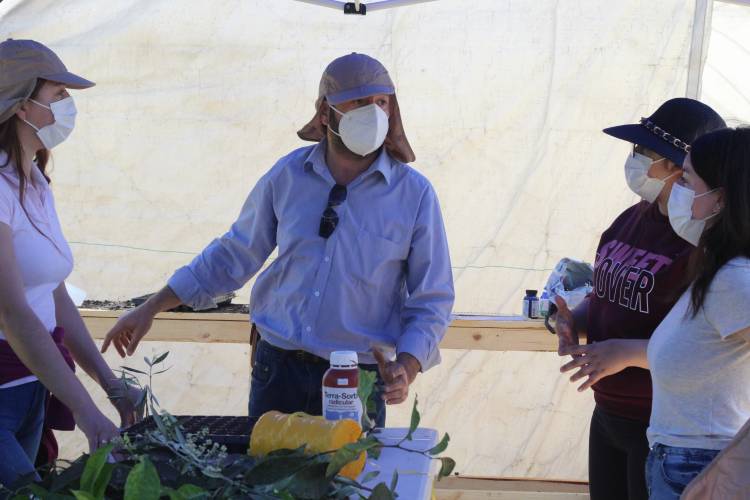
(680, 208)
(636, 175)
(363, 130)
(64, 111)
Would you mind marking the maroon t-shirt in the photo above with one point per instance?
(638, 275)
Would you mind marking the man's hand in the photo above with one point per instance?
(397, 375)
(129, 330)
(605, 358)
(567, 335)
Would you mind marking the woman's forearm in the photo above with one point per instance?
(79, 342)
(636, 350)
(581, 317)
(34, 346)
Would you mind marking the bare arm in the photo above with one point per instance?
(605, 358)
(85, 353)
(79, 341)
(581, 317)
(28, 337)
(134, 325)
(34, 346)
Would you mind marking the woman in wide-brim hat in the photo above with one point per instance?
(638, 277)
(41, 331)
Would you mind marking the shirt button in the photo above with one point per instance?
(327, 259)
(317, 293)
(309, 329)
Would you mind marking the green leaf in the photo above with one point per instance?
(364, 444)
(310, 482)
(272, 469)
(185, 492)
(189, 491)
(94, 465)
(160, 358)
(374, 453)
(83, 495)
(367, 381)
(134, 370)
(381, 492)
(394, 480)
(370, 476)
(39, 492)
(349, 453)
(143, 482)
(343, 456)
(440, 447)
(446, 467)
(414, 421)
(148, 361)
(102, 481)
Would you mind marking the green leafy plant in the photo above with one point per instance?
(168, 462)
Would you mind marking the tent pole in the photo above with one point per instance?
(387, 4)
(699, 47)
(325, 3)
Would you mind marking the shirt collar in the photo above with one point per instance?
(316, 161)
(11, 174)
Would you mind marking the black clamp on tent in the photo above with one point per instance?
(351, 8)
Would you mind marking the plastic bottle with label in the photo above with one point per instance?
(340, 384)
(544, 303)
(531, 305)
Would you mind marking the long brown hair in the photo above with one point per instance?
(11, 144)
(722, 160)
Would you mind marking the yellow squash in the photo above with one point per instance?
(276, 431)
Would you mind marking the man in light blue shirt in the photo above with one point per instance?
(362, 253)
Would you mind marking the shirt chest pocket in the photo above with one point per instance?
(377, 260)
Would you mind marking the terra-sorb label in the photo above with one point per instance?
(340, 403)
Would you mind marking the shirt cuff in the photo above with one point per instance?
(421, 347)
(189, 291)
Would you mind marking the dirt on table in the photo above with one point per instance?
(120, 305)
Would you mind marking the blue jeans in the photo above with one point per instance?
(670, 469)
(281, 381)
(21, 424)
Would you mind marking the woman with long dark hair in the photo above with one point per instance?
(640, 263)
(41, 331)
(699, 356)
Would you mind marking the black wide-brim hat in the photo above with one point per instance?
(671, 129)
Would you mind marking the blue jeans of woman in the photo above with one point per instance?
(670, 469)
(21, 425)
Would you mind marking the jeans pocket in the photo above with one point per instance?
(678, 470)
(261, 372)
(265, 358)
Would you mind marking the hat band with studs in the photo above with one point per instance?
(664, 135)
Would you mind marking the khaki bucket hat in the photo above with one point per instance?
(355, 76)
(22, 63)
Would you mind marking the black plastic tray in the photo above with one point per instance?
(232, 432)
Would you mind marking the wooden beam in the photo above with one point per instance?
(469, 488)
(178, 327)
(485, 334)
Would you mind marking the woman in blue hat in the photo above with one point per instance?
(699, 356)
(638, 276)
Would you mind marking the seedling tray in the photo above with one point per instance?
(232, 432)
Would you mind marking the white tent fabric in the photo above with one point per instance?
(503, 101)
(726, 77)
